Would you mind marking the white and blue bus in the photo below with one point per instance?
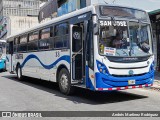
(100, 47)
(2, 55)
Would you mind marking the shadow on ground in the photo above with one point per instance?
(81, 95)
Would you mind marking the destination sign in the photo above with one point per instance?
(113, 23)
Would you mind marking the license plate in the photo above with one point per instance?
(131, 82)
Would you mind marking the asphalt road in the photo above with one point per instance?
(37, 95)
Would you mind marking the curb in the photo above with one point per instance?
(156, 86)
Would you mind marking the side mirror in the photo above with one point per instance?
(96, 29)
(144, 46)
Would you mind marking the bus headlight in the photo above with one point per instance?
(102, 68)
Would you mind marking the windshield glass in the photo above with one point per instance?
(117, 40)
(123, 12)
(139, 39)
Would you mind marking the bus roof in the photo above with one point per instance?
(67, 16)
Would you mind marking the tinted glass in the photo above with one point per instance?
(43, 44)
(45, 34)
(22, 48)
(61, 35)
(33, 36)
(123, 12)
(46, 42)
(33, 46)
(23, 39)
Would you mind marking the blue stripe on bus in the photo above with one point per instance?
(32, 56)
(88, 80)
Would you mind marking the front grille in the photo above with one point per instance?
(128, 75)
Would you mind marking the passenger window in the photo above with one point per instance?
(33, 36)
(22, 47)
(33, 41)
(61, 35)
(23, 39)
(33, 46)
(45, 42)
(45, 33)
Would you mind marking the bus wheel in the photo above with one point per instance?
(64, 82)
(19, 73)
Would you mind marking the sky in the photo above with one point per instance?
(148, 5)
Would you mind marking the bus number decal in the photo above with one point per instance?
(57, 54)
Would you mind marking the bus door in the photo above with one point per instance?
(9, 57)
(89, 56)
(76, 52)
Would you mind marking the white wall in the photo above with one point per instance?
(17, 24)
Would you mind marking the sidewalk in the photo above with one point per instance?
(157, 75)
(156, 85)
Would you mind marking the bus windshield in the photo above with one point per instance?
(123, 12)
(122, 38)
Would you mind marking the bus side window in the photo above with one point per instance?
(11, 47)
(23, 43)
(61, 38)
(33, 41)
(45, 41)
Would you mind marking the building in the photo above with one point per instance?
(14, 13)
(155, 20)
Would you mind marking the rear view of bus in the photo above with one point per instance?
(124, 58)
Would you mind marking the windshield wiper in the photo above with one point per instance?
(124, 52)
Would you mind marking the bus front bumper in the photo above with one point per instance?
(108, 82)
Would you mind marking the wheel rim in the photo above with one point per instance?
(19, 73)
(64, 81)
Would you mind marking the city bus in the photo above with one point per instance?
(99, 47)
(2, 55)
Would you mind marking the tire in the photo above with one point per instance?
(64, 81)
(19, 73)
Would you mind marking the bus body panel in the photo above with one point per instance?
(44, 64)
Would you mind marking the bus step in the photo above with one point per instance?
(80, 85)
(78, 82)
